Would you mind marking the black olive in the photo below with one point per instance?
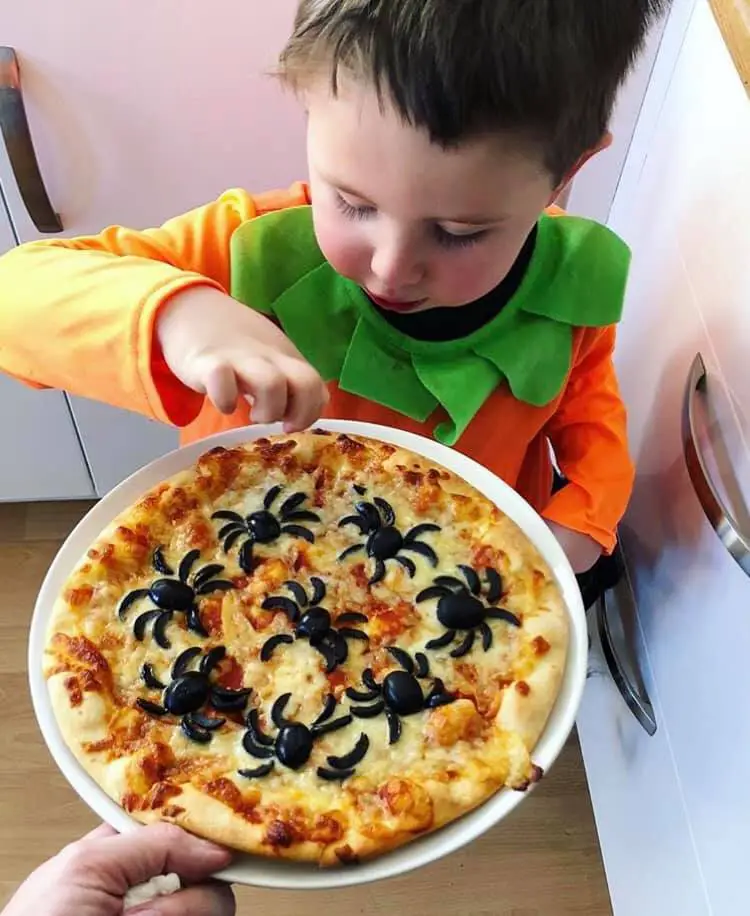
(340, 649)
(461, 611)
(319, 590)
(472, 579)
(386, 511)
(258, 773)
(212, 658)
(171, 595)
(402, 693)
(184, 660)
(368, 712)
(466, 646)
(150, 679)
(270, 645)
(495, 585)
(270, 497)
(160, 564)
(403, 658)
(502, 614)
(329, 708)
(300, 596)
(361, 696)
(187, 694)
(291, 503)
(385, 543)
(368, 679)
(153, 709)
(314, 624)
(280, 603)
(423, 664)
(369, 515)
(394, 726)
(424, 550)
(264, 526)
(194, 732)
(353, 757)
(294, 745)
(334, 775)
(333, 726)
(441, 642)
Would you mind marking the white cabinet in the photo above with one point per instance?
(593, 190)
(674, 810)
(40, 456)
(137, 117)
(650, 861)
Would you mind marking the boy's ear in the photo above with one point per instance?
(604, 143)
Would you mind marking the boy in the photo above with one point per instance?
(416, 281)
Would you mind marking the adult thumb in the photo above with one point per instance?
(160, 849)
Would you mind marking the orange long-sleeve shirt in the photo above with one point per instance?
(79, 314)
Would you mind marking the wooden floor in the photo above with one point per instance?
(543, 860)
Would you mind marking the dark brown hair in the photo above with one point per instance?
(548, 70)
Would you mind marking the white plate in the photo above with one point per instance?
(260, 871)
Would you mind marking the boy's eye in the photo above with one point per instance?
(449, 240)
(444, 238)
(352, 212)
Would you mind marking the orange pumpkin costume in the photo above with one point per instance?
(79, 314)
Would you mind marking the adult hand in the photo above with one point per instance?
(92, 876)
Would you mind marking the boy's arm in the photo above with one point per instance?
(589, 437)
(79, 314)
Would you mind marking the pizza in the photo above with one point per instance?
(314, 647)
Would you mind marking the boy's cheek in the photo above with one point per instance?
(459, 281)
(342, 248)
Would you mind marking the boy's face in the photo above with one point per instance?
(415, 225)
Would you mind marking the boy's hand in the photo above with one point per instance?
(581, 550)
(220, 348)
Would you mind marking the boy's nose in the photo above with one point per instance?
(397, 268)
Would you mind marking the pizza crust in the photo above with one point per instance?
(448, 759)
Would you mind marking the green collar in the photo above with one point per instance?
(576, 278)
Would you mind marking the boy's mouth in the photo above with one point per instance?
(392, 305)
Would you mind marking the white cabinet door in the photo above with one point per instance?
(593, 190)
(139, 115)
(682, 207)
(40, 457)
(650, 861)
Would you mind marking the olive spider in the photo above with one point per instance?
(190, 690)
(461, 608)
(383, 540)
(172, 595)
(293, 743)
(313, 623)
(265, 526)
(400, 693)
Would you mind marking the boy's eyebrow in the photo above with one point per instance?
(461, 220)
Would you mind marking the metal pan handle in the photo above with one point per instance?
(720, 517)
(623, 667)
(14, 127)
